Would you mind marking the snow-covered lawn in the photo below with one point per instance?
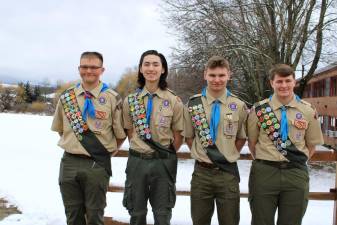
(29, 164)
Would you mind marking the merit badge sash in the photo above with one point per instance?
(138, 115)
(199, 122)
(271, 125)
(85, 136)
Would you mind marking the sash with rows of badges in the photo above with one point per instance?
(73, 113)
(138, 115)
(199, 122)
(269, 122)
(86, 137)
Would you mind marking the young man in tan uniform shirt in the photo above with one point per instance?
(283, 131)
(151, 168)
(209, 181)
(84, 178)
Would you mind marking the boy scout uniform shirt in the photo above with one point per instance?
(107, 126)
(166, 117)
(309, 135)
(231, 127)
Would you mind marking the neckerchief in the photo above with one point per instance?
(88, 107)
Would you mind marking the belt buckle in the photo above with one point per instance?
(146, 156)
(283, 165)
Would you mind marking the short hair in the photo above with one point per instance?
(217, 61)
(92, 55)
(283, 70)
(162, 80)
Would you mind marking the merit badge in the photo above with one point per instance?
(233, 106)
(166, 103)
(102, 100)
(298, 116)
(100, 114)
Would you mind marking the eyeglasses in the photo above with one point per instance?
(86, 67)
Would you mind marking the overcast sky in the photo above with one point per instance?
(42, 39)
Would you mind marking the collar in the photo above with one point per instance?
(79, 90)
(160, 93)
(223, 98)
(276, 104)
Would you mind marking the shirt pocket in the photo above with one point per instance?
(164, 119)
(231, 124)
(296, 135)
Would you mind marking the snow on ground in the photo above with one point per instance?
(29, 167)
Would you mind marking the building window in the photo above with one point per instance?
(333, 86)
(318, 88)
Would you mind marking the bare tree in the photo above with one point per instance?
(253, 35)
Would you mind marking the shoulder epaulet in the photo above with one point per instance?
(308, 104)
(195, 96)
(172, 92)
(68, 89)
(233, 95)
(261, 102)
(114, 93)
(305, 102)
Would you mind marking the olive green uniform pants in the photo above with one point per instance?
(83, 184)
(284, 189)
(149, 179)
(209, 185)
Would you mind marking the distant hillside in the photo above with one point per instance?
(6, 79)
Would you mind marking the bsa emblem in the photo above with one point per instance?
(102, 100)
(233, 106)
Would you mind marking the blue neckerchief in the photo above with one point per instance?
(149, 108)
(88, 107)
(284, 120)
(215, 115)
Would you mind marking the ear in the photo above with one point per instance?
(205, 73)
(103, 69)
(271, 83)
(162, 71)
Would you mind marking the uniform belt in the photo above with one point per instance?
(282, 164)
(77, 155)
(207, 165)
(152, 155)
